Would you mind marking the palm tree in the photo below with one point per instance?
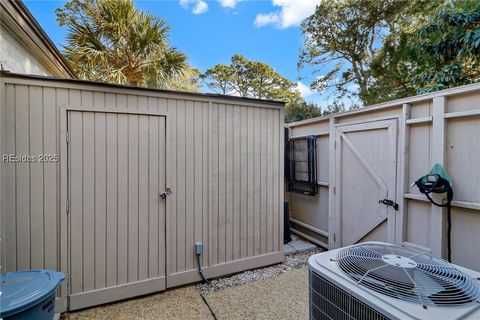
(111, 41)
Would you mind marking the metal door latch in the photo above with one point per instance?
(167, 192)
(388, 202)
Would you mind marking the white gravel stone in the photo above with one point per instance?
(292, 262)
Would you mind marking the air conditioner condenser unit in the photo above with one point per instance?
(380, 281)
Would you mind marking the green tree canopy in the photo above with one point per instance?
(343, 41)
(247, 78)
(112, 41)
(254, 79)
(219, 78)
(447, 47)
(301, 110)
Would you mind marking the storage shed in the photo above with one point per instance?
(114, 185)
(366, 156)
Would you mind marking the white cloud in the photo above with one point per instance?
(198, 6)
(263, 19)
(292, 13)
(184, 3)
(231, 4)
(304, 90)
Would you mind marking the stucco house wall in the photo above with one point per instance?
(25, 47)
(16, 57)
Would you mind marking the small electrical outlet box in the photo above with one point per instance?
(198, 248)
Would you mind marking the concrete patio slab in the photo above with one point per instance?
(274, 292)
(282, 297)
(297, 245)
(182, 303)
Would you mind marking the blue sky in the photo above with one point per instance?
(210, 32)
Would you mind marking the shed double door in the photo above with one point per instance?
(116, 220)
(365, 174)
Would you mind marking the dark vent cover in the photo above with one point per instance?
(303, 165)
(330, 302)
(408, 275)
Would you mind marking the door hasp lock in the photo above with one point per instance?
(164, 195)
(391, 203)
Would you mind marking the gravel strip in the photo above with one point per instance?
(186, 302)
(292, 262)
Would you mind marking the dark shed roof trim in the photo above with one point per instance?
(110, 85)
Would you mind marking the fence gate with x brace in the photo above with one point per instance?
(365, 181)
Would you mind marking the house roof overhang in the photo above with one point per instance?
(16, 17)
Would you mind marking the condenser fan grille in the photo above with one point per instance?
(407, 275)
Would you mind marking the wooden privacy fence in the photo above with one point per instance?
(375, 153)
(91, 207)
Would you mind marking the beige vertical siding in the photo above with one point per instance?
(456, 112)
(223, 162)
(313, 211)
(98, 143)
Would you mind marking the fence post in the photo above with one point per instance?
(333, 219)
(437, 226)
(404, 156)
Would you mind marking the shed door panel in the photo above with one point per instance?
(117, 219)
(366, 174)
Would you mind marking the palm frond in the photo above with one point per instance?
(111, 40)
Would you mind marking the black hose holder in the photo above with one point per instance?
(438, 181)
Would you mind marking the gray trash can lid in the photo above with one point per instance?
(24, 289)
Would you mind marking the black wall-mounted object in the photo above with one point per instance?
(434, 182)
(303, 166)
(286, 223)
(286, 155)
